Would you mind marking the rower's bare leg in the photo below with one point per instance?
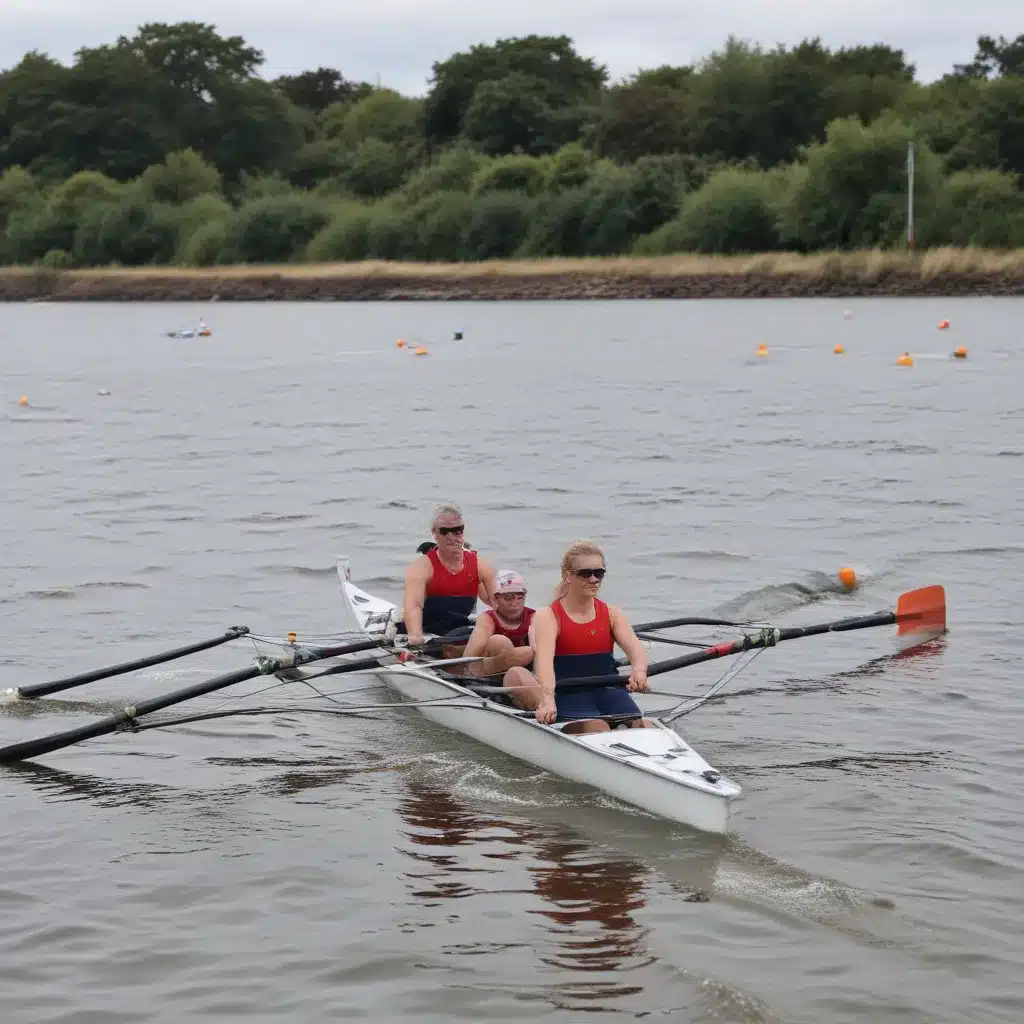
(641, 723)
(587, 725)
(500, 656)
(524, 689)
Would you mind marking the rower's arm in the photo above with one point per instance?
(545, 633)
(486, 589)
(416, 578)
(482, 632)
(623, 634)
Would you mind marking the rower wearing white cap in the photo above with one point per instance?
(503, 636)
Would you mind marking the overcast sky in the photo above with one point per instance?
(400, 39)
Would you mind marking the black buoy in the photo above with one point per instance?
(458, 336)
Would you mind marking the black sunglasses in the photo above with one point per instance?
(446, 530)
(585, 574)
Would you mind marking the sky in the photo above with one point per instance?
(399, 40)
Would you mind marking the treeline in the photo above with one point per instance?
(168, 147)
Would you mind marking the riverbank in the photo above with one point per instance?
(940, 272)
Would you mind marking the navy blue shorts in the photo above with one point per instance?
(596, 702)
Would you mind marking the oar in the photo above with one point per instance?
(42, 689)
(689, 621)
(264, 666)
(917, 611)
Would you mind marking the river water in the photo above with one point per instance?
(293, 868)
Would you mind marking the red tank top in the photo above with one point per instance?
(445, 583)
(519, 635)
(593, 637)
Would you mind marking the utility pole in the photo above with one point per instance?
(910, 196)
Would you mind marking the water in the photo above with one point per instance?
(308, 869)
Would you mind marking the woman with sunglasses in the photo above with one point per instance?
(442, 586)
(575, 637)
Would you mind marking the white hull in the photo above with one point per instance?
(656, 771)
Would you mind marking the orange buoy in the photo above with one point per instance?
(420, 350)
(905, 360)
(838, 350)
(960, 353)
(762, 349)
(400, 343)
(23, 400)
(943, 325)
(848, 578)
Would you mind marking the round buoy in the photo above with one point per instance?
(848, 578)
(23, 400)
(838, 350)
(762, 349)
(458, 336)
(905, 360)
(943, 325)
(960, 353)
(420, 350)
(400, 343)
(103, 391)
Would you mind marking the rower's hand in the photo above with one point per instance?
(414, 640)
(637, 680)
(546, 711)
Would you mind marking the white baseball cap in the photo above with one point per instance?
(508, 581)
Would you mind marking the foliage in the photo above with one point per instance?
(167, 144)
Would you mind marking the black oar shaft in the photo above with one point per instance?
(42, 689)
(265, 666)
(689, 621)
(764, 638)
(43, 745)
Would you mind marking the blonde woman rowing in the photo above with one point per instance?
(575, 637)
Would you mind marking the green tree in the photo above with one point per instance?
(979, 208)
(643, 117)
(572, 81)
(275, 229)
(994, 58)
(179, 178)
(496, 227)
(510, 174)
(319, 89)
(851, 193)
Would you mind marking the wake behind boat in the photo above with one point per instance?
(654, 769)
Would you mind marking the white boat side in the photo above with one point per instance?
(654, 769)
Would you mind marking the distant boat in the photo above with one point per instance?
(202, 331)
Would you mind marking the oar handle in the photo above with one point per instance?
(42, 689)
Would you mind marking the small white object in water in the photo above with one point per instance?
(103, 391)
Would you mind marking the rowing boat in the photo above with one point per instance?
(654, 769)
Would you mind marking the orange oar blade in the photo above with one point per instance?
(921, 611)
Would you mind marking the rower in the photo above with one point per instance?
(575, 638)
(502, 637)
(442, 585)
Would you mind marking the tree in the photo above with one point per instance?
(571, 80)
(851, 192)
(29, 93)
(994, 58)
(317, 90)
(179, 178)
(512, 115)
(647, 116)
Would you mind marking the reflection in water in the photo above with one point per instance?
(588, 899)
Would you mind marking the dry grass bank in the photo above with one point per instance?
(934, 272)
